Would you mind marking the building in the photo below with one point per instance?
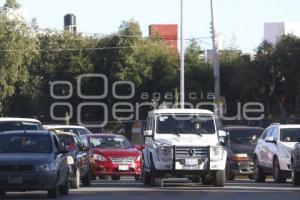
(273, 31)
(167, 32)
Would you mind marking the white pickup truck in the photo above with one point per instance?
(183, 143)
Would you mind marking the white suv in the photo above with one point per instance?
(183, 143)
(272, 155)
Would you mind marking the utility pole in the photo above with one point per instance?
(215, 40)
(181, 58)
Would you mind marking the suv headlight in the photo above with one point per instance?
(165, 152)
(216, 153)
(46, 168)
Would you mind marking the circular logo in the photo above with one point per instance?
(191, 152)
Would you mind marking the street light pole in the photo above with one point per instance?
(182, 93)
(216, 62)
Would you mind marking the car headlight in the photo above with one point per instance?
(216, 153)
(165, 152)
(99, 157)
(46, 168)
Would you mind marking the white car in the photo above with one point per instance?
(16, 124)
(183, 143)
(78, 130)
(272, 155)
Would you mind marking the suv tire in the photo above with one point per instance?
(145, 175)
(86, 181)
(229, 174)
(75, 183)
(54, 192)
(277, 173)
(295, 177)
(259, 175)
(64, 189)
(219, 178)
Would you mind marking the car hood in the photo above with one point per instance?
(132, 152)
(188, 139)
(25, 158)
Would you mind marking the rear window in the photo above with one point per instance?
(19, 126)
(25, 143)
(244, 136)
(67, 141)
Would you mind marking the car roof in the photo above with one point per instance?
(64, 133)
(42, 132)
(241, 127)
(15, 119)
(105, 134)
(289, 125)
(181, 111)
(64, 126)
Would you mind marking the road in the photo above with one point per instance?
(128, 189)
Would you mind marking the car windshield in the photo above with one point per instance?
(18, 126)
(77, 131)
(290, 135)
(244, 136)
(112, 142)
(67, 141)
(25, 143)
(185, 124)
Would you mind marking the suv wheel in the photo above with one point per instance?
(145, 175)
(277, 173)
(295, 177)
(259, 175)
(219, 178)
(115, 177)
(53, 193)
(75, 182)
(86, 181)
(64, 189)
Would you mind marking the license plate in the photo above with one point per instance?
(191, 162)
(123, 167)
(15, 180)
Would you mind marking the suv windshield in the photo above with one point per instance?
(112, 142)
(18, 126)
(25, 143)
(185, 124)
(244, 136)
(290, 135)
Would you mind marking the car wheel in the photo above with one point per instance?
(104, 177)
(219, 178)
(75, 183)
(259, 175)
(86, 181)
(115, 177)
(295, 177)
(229, 174)
(64, 189)
(277, 174)
(145, 175)
(53, 193)
(205, 180)
(137, 177)
(153, 174)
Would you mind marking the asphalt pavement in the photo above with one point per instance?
(129, 189)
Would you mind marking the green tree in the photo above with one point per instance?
(12, 4)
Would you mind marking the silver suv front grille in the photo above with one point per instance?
(191, 152)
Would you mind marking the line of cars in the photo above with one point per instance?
(258, 153)
(55, 157)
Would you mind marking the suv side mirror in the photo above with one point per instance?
(270, 140)
(148, 133)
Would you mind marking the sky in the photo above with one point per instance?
(239, 21)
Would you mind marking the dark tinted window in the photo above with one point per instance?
(290, 135)
(18, 126)
(25, 143)
(245, 136)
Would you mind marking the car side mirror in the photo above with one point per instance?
(270, 140)
(148, 133)
(140, 147)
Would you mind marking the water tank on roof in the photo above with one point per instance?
(70, 20)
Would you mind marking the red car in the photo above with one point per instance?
(113, 155)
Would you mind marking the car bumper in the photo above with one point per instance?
(109, 168)
(242, 167)
(27, 182)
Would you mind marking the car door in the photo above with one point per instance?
(272, 148)
(81, 157)
(263, 145)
